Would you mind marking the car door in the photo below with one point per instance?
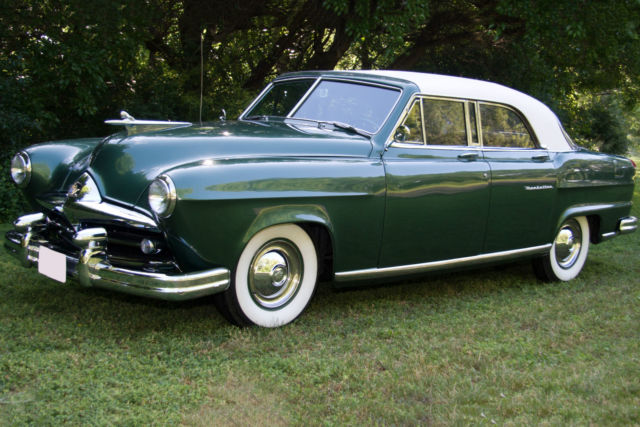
(437, 197)
(522, 180)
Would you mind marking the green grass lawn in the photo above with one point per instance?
(479, 347)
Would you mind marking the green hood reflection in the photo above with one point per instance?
(125, 166)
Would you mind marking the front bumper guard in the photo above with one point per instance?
(91, 267)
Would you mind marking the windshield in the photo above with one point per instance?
(362, 106)
(281, 99)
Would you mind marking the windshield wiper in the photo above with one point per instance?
(345, 126)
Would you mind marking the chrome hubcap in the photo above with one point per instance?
(568, 244)
(275, 274)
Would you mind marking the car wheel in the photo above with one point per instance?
(274, 279)
(568, 253)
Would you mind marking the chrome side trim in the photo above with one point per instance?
(111, 211)
(84, 197)
(370, 273)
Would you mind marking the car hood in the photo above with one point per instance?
(124, 166)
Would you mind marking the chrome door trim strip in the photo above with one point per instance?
(370, 273)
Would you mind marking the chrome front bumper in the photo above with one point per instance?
(91, 267)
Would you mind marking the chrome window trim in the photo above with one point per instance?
(424, 128)
(350, 80)
(476, 103)
(268, 87)
(435, 147)
(478, 123)
(369, 273)
(500, 149)
(467, 123)
(405, 114)
(567, 137)
(304, 98)
(525, 122)
(392, 143)
(255, 101)
(464, 109)
(473, 105)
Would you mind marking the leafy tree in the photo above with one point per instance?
(66, 65)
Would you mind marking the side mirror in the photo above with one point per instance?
(402, 132)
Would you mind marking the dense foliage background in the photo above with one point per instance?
(68, 65)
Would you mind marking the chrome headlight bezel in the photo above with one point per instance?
(162, 196)
(21, 169)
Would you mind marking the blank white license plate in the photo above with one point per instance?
(52, 264)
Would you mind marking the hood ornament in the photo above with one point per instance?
(135, 126)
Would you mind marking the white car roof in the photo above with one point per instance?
(545, 123)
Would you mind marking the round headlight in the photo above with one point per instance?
(162, 196)
(21, 169)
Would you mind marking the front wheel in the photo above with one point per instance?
(568, 253)
(275, 278)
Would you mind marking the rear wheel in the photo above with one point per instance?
(274, 279)
(568, 253)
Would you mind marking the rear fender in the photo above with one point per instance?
(608, 215)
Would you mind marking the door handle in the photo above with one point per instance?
(468, 156)
(540, 158)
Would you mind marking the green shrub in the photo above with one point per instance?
(12, 202)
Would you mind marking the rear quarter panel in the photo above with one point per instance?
(594, 184)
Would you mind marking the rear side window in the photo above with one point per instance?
(503, 127)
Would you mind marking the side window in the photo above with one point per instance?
(502, 127)
(410, 131)
(444, 122)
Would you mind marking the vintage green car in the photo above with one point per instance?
(333, 176)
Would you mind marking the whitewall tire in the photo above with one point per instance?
(568, 252)
(274, 279)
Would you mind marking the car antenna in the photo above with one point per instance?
(204, 31)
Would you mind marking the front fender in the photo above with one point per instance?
(54, 166)
(222, 204)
